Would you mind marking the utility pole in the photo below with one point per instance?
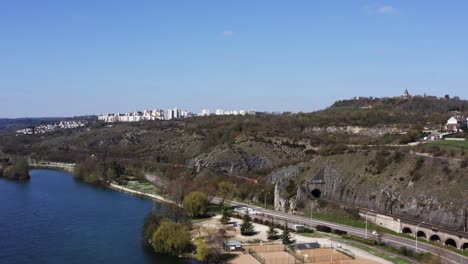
(417, 227)
(311, 204)
(463, 257)
(366, 224)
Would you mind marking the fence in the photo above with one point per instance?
(256, 256)
(346, 252)
(280, 254)
(265, 248)
(272, 254)
(323, 255)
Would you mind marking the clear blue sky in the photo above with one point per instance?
(65, 58)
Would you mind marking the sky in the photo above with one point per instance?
(69, 58)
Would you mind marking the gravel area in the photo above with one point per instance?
(261, 230)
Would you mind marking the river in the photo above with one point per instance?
(54, 219)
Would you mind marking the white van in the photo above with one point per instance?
(298, 228)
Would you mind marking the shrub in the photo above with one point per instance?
(323, 228)
(340, 232)
(306, 230)
(202, 251)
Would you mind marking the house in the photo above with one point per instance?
(456, 123)
(232, 245)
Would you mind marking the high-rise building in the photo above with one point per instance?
(170, 114)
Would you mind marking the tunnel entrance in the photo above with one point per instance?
(407, 230)
(465, 246)
(435, 238)
(421, 234)
(450, 242)
(316, 193)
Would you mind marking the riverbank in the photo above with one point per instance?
(121, 188)
(59, 219)
(66, 167)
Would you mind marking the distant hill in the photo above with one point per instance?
(9, 125)
(418, 110)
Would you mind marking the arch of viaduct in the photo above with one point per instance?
(432, 234)
(423, 232)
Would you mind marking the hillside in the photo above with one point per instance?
(393, 181)
(418, 110)
(347, 141)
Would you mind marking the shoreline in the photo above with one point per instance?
(121, 188)
(112, 186)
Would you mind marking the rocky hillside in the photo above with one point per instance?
(390, 181)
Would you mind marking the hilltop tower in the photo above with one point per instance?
(406, 95)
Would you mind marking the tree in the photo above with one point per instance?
(21, 168)
(226, 190)
(18, 171)
(272, 234)
(225, 219)
(214, 241)
(247, 228)
(202, 250)
(286, 236)
(114, 170)
(196, 204)
(171, 238)
(152, 223)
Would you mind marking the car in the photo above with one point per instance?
(375, 233)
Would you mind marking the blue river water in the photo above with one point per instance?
(54, 219)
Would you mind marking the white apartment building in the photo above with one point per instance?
(205, 112)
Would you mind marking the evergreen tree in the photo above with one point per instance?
(286, 236)
(272, 234)
(225, 219)
(247, 228)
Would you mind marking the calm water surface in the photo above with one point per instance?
(55, 219)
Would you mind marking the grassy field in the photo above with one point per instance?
(344, 221)
(390, 257)
(145, 187)
(463, 145)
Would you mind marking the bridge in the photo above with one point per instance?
(424, 231)
(435, 233)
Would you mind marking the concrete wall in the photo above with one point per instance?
(388, 222)
(396, 225)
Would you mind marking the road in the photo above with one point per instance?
(446, 255)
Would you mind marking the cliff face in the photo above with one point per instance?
(430, 189)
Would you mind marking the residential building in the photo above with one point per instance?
(455, 123)
(205, 112)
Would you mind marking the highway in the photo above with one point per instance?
(446, 255)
